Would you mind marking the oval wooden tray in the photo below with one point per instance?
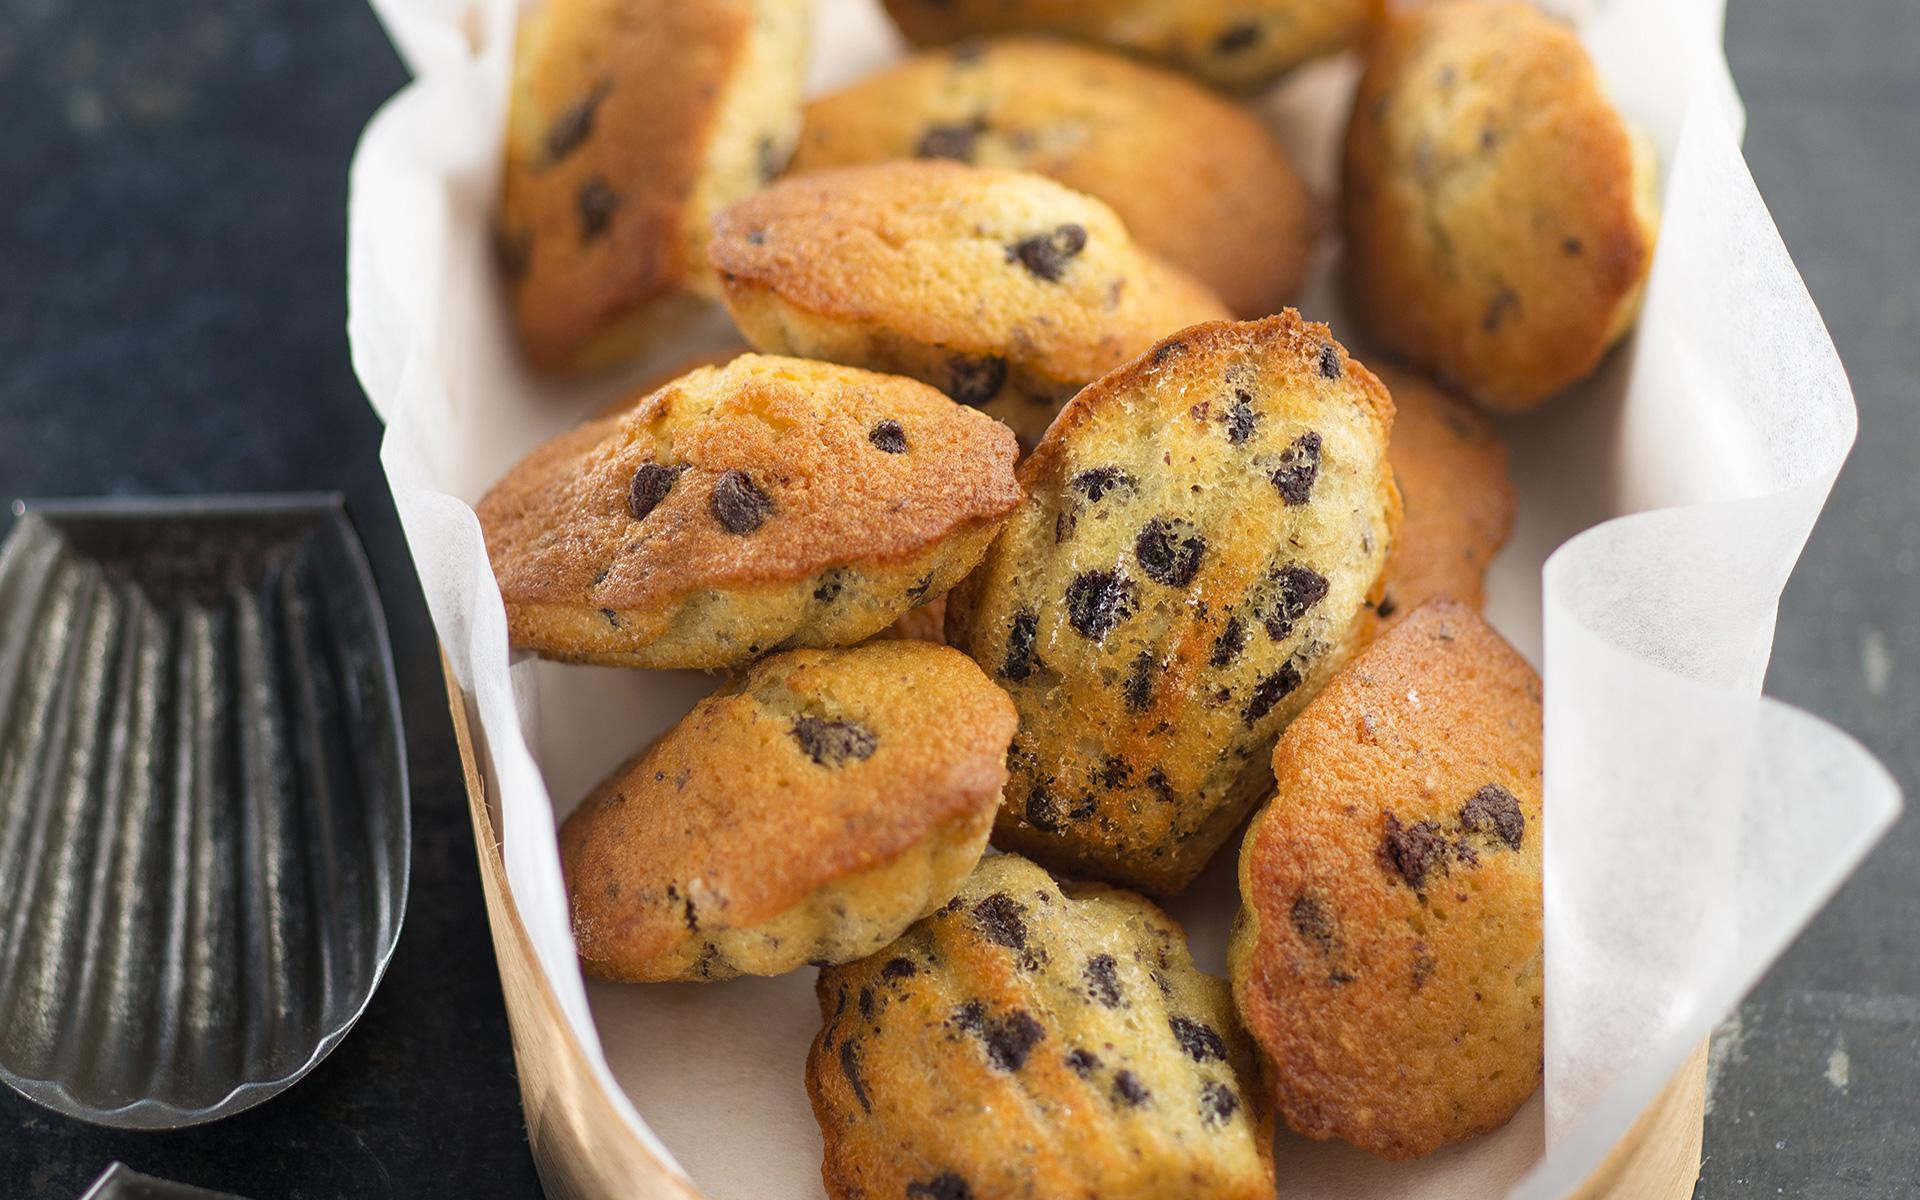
(584, 1150)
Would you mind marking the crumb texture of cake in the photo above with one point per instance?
(1239, 45)
(1197, 179)
(1387, 955)
(1036, 1039)
(808, 813)
(1499, 213)
(767, 504)
(629, 124)
(1201, 531)
(1005, 290)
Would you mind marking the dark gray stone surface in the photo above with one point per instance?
(172, 182)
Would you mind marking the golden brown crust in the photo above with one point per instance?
(629, 122)
(1033, 1041)
(1388, 954)
(819, 767)
(1235, 44)
(791, 501)
(1498, 218)
(1197, 180)
(1005, 289)
(1451, 465)
(1201, 529)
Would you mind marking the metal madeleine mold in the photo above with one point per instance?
(204, 831)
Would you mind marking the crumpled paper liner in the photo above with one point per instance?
(1692, 825)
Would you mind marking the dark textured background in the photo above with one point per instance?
(172, 197)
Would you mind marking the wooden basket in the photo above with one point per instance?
(585, 1151)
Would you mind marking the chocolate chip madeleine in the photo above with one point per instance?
(1201, 530)
(1388, 952)
(1007, 291)
(765, 504)
(1197, 179)
(629, 124)
(1031, 1040)
(809, 813)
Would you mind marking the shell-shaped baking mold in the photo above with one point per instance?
(204, 835)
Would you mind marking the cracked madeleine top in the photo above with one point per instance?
(814, 768)
(765, 472)
(972, 260)
(1388, 955)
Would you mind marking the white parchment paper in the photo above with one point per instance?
(1692, 826)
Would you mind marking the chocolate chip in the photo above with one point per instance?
(1237, 37)
(596, 203)
(1299, 467)
(1169, 551)
(572, 127)
(1386, 607)
(1571, 246)
(1227, 647)
(1158, 785)
(1200, 1040)
(1095, 482)
(1103, 980)
(850, 1067)
(888, 437)
(1113, 773)
(830, 584)
(832, 742)
(944, 1186)
(1218, 1102)
(949, 141)
(691, 917)
(1139, 688)
(1239, 418)
(1046, 255)
(1084, 809)
(1011, 1039)
(650, 486)
(738, 503)
(1083, 1062)
(971, 1016)
(514, 252)
(1099, 600)
(1127, 1086)
(866, 1003)
(1338, 978)
(1504, 302)
(1042, 813)
(998, 917)
(919, 588)
(1412, 850)
(1167, 349)
(1495, 810)
(1289, 593)
(1270, 691)
(1423, 965)
(1018, 664)
(1329, 361)
(974, 379)
(611, 617)
(1314, 923)
(898, 968)
(771, 158)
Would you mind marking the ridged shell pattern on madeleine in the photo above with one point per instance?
(1201, 530)
(766, 504)
(809, 813)
(1005, 290)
